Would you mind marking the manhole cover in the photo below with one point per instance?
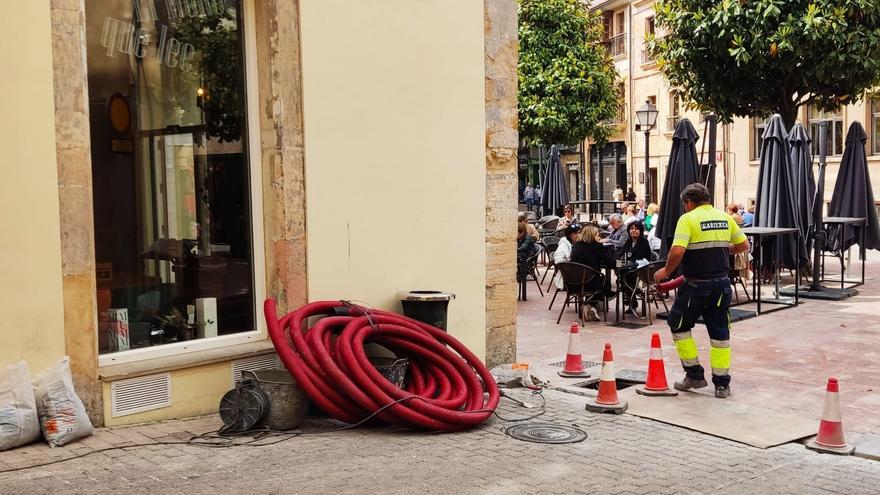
(629, 325)
(632, 376)
(546, 433)
(587, 364)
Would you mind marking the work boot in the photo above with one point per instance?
(690, 383)
(722, 392)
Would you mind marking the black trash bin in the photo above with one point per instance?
(427, 306)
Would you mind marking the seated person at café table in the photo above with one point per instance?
(636, 248)
(563, 250)
(591, 252)
(616, 231)
(529, 227)
(567, 218)
(525, 248)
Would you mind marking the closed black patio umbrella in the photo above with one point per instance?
(554, 195)
(683, 170)
(801, 158)
(775, 204)
(853, 195)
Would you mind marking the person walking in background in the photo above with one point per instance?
(631, 195)
(704, 240)
(529, 196)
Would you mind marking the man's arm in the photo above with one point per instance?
(739, 248)
(672, 262)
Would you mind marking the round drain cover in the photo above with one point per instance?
(546, 433)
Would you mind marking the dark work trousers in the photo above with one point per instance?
(711, 300)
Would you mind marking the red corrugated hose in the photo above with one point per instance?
(445, 391)
(670, 284)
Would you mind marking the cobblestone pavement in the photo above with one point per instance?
(623, 455)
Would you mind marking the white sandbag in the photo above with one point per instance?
(18, 412)
(63, 417)
(513, 375)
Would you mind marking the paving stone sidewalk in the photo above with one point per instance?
(623, 455)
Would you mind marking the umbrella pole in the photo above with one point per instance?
(819, 232)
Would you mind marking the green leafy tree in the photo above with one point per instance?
(567, 81)
(758, 57)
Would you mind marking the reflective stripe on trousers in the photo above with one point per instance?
(711, 301)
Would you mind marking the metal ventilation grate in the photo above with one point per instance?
(264, 362)
(144, 393)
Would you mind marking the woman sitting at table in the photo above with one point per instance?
(593, 253)
(636, 248)
(651, 216)
(525, 248)
(567, 218)
(563, 250)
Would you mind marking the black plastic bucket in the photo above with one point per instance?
(427, 306)
(393, 369)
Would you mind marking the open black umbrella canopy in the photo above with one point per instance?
(801, 158)
(853, 195)
(775, 204)
(554, 195)
(683, 170)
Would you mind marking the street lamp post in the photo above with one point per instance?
(646, 116)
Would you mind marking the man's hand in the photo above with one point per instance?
(661, 275)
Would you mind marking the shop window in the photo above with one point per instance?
(758, 127)
(835, 129)
(170, 170)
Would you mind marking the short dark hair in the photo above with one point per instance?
(696, 193)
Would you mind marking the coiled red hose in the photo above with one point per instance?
(329, 364)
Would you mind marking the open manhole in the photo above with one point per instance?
(629, 325)
(546, 433)
(587, 364)
(624, 378)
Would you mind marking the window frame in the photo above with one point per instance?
(758, 125)
(838, 116)
(674, 110)
(874, 116)
(252, 135)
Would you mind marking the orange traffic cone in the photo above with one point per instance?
(574, 364)
(830, 436)
(656, 384)
(606, 400)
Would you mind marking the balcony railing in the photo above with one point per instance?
(616, 45)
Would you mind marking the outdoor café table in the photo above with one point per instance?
(842, 221)
(621, 271)
(758, 234)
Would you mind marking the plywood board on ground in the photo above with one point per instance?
(725, 418)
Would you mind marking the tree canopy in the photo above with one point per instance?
(758, 57)
(567, 81)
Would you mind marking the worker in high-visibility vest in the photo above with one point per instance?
(704, 240)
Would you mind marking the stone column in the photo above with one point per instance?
(281, 140)
(73, 142)
(500, 17)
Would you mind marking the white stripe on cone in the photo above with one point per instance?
(656, 354)
(573, 339)
(831, 411)
(608, 374)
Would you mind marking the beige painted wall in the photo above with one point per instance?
(30, 285)
(194, 392)
(395, 153)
